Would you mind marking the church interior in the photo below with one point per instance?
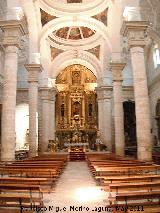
(79, 106)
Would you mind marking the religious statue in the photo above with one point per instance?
(98, 141)
(26, 144)
(52, 146)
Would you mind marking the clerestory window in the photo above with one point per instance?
(156, 55)
(74, 1)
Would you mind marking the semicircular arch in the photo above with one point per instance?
(91, 23)
(84, 58)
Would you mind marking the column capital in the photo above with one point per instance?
(45, 93)
(13, 30)
(48, 93)
(117, 69)
(103, 92)
(33, 70)
(53, 92)
(135, 32)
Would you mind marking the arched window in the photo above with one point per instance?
(74, 1)
(156, 55)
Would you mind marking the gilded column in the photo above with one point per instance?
(135, 32)
(33, 70)
(13, 31)
(52, 117)
(117, 69)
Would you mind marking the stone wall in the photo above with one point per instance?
(3, 9)
(154, 94)
(150, 11)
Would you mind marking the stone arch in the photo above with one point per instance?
(29, 11)
(91, 23)
(67, 58)
(61, 9)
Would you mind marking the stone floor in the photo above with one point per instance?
(76, 191)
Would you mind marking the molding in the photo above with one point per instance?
(133, 25)
(33, 70)
(61, 9)
(13, 30)
(117, 69)
(135, 32)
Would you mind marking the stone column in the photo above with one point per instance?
(118, 107)
(104, 115)
(13, 31)
(135, 32)
(33, 70)
(52, 116)
(45, 97)
(107, 123)
(100, 116)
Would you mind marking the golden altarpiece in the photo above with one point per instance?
(76, 106)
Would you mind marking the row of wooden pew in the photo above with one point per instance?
(23, 183)
(130, 185)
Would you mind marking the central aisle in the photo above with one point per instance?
(75, 188)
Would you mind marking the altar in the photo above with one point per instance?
(76, 107)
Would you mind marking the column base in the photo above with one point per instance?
(120, 152)
(32, 154)
(6, 157)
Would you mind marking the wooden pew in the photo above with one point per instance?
(118, 187)
(19, 202)
(45, 184)
(146, 198)
(148, 209)
(29, 180)
(130, 170)
(105, 180)
(28, 170)
(135, 177)
(21, 188)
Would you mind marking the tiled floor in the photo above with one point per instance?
(75, 188)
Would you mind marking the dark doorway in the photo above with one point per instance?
(0, 123)
(130, 127)
(158, 121)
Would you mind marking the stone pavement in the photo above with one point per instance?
(76, 191)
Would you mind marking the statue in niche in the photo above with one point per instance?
(62, 110)
(76, 77)
(26, 145)
(90, 110)
(76, 108)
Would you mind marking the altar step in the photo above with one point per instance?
(77, 155)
